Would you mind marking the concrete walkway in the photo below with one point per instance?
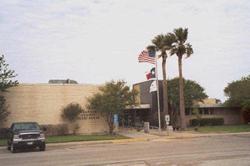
(132, 133)
(155, 134)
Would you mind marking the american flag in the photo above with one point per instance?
(146, 57)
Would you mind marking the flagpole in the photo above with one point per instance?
(158, 96)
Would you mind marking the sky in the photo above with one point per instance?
(95, 41)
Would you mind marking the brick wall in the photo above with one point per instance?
(231, 116)
(43, 103)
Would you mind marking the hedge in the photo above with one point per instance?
(59, 129)
(3, 133)
(207, 122)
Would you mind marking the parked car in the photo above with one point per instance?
(25, 135)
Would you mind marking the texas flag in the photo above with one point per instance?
(151, 74)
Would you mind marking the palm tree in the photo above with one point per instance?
(181, 48)
(162, 44)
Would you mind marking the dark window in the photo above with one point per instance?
(211, 111)
(206, 111)
(187, 111)
(25, 126)
(201, 111)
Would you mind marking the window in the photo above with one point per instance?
(211, 111)
(201, 111)
(206, 111)
(188, 111)
(26, 126)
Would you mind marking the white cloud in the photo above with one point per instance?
(95, 41)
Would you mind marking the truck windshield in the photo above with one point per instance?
(26, 126)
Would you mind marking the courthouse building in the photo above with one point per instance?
(43, 103)
(147, 109)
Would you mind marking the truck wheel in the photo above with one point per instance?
(12, 148)
(42, 148)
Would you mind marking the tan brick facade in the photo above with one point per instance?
(43, 103)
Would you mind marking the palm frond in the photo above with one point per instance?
(179, 47)
(181, 34)
(173, 50)
(169, 39)
(189, 50)
(158, 41)
(151, 48)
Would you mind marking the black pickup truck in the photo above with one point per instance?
(25, 135)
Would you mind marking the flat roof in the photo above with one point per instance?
(140, 106)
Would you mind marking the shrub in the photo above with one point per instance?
(3, 110)
(207, 122)
(3, 133)
(246, 116)
(71, 112)
(59, 129)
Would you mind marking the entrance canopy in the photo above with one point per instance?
(138, 107)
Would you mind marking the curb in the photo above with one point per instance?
(3, 147)
(131, 140)
(197, 135)
(120, 141)
(99, 142)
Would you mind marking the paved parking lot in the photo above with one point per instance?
(204, 151)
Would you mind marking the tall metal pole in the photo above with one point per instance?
(158, 96)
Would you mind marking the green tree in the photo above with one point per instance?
(112, 99)
(71, 114)
(6, 81)
(192, 91)
(238, 93)
(181, 48)
(3, 110)
(163, 43)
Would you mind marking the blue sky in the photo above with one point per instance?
(94, 41)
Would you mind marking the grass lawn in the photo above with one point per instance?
(3, 142)
(223, 129)
(75, 138)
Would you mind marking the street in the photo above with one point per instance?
(205, 151)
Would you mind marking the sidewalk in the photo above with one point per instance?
(155, 134)
(190, 134)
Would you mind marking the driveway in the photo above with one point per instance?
(205, 151)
